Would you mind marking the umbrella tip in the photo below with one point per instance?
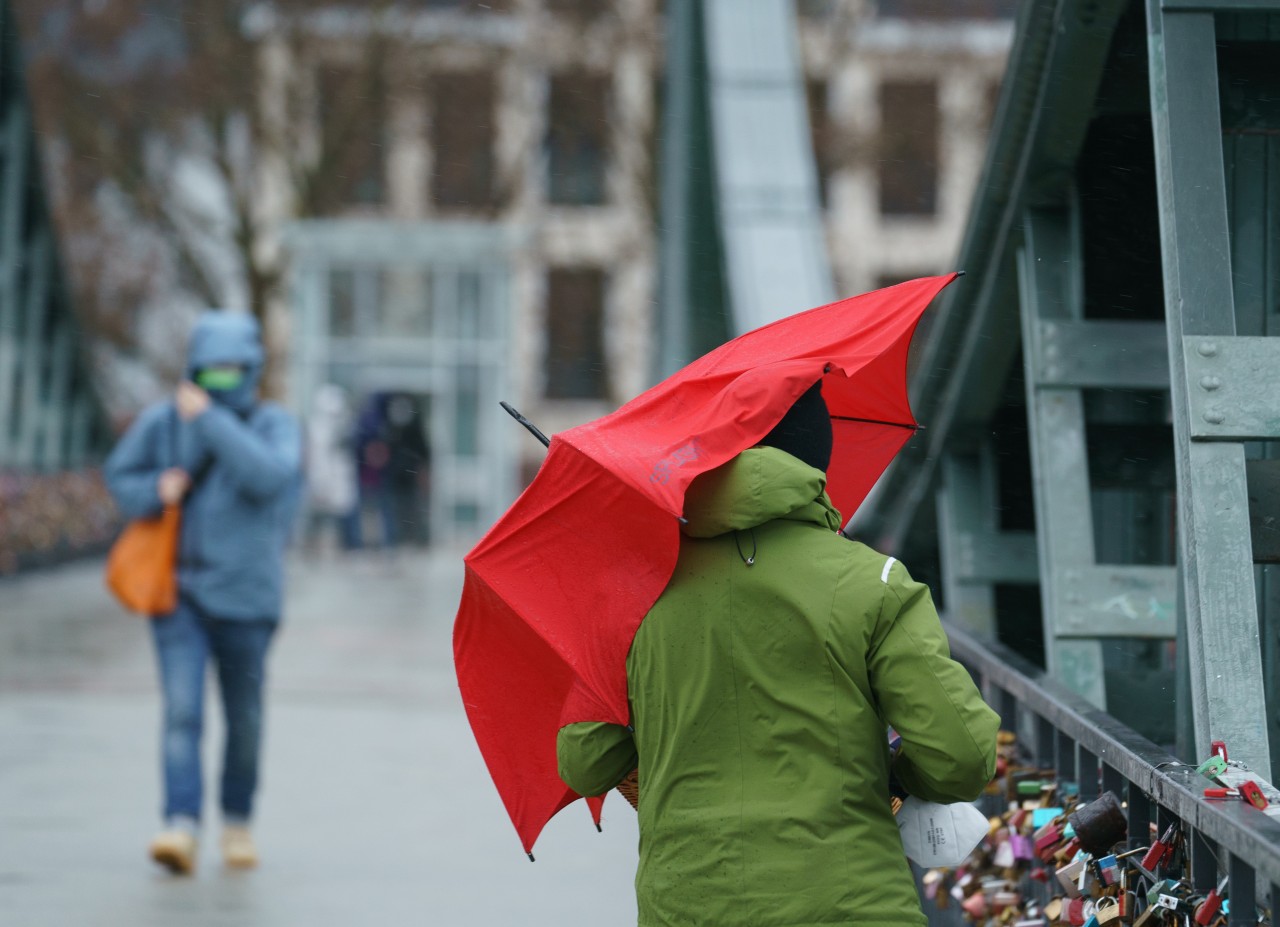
(531, 859)
(599, 829)
(961, 273)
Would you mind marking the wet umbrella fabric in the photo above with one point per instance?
(555, 591)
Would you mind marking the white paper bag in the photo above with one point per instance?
(935, 835)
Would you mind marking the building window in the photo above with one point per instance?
(355, 295)
(816, 9)
(352, 140)
(946, 9)
(885, 279)
(466, 6)
(909, 158)
(577, 139)
(462, 109)
(575, 335)
(581, 10)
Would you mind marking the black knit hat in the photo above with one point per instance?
(805, 431)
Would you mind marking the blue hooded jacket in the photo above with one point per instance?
(245, 459)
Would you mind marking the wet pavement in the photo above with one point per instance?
(375, 806)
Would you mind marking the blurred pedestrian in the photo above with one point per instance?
(232, 462)
(372, 458)
(332, 494)
(406, 474)
(760, 685)
(393, 457)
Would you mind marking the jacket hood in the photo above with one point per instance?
(225, 337)
(759, 485)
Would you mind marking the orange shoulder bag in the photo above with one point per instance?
(142, 567)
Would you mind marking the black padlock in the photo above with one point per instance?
(1099, 825)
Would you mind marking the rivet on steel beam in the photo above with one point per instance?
(1210, 382)
(1214, 417)
(1208, 349)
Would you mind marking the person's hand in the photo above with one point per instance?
(173, 485)
(191, 400)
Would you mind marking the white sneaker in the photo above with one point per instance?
(238, 850)
(175, 850)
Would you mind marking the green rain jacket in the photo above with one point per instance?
(760, 693)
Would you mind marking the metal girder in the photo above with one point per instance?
(1233, 387)
(975, 554)
(680, 84)
(31, 387)
(961, 506)
(80, 421)
(1055, 67)
(1050, 286)
(1263, 480)
(1221, 6)
(54, 443)
(1115, 601)
(1214, 555)
(996, 557)
(12, 182)
(765, 176)
(1108, 354)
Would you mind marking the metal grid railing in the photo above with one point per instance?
(1090, 748)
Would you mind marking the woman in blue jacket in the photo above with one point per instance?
(233, 464)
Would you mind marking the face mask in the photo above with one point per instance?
(220, 378)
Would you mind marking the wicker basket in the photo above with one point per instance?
(630, 788)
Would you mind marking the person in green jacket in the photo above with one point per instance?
(761, 684)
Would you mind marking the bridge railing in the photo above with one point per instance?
(1062, 731)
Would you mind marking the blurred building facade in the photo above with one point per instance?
(539, 121)
(510, 158)
(900, 97)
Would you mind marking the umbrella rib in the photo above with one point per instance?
(876, 421)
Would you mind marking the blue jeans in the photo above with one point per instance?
(184, 641)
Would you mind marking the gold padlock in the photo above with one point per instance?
(1107, 911)
(1148, 918)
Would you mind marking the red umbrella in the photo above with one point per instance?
(555, 591)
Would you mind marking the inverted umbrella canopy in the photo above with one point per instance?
(555, 591)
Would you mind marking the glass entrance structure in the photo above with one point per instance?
(419, 309)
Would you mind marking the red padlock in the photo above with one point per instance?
(1219, 748)
(1160, 851)
(1212, 903)
(1075, 912)
(1047, 840)
(1125, 906)
(1252, 793)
